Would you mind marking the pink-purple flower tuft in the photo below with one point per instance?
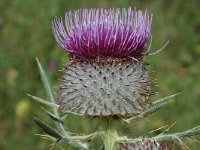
(104, 32)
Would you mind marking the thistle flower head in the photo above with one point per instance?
(103, 32)
(101, 79)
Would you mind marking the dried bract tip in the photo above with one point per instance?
(113, 32)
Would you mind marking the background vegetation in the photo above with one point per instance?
(25, 33)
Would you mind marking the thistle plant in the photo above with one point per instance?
(106, 78)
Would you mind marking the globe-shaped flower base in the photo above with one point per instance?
(104, 87)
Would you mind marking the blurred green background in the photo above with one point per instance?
(25, 33)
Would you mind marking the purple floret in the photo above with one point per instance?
(95, 33)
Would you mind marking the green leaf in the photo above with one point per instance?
(174, 136)
(46, 85)
(50, 96)
(42, 101)
(157, 105)
(53, 117)
(47, 129)
(165, 100)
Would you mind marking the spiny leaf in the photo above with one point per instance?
(165, 100)
(50, 95)
(45, 136)
(46, 84)
(158, 129)
(52, 116)
(178, 135)
(43, 101)
(47, 129)
(167, 130)
(157, 105)
(55, 112)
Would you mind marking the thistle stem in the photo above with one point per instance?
(109, 135)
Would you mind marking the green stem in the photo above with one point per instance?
(109, 134)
